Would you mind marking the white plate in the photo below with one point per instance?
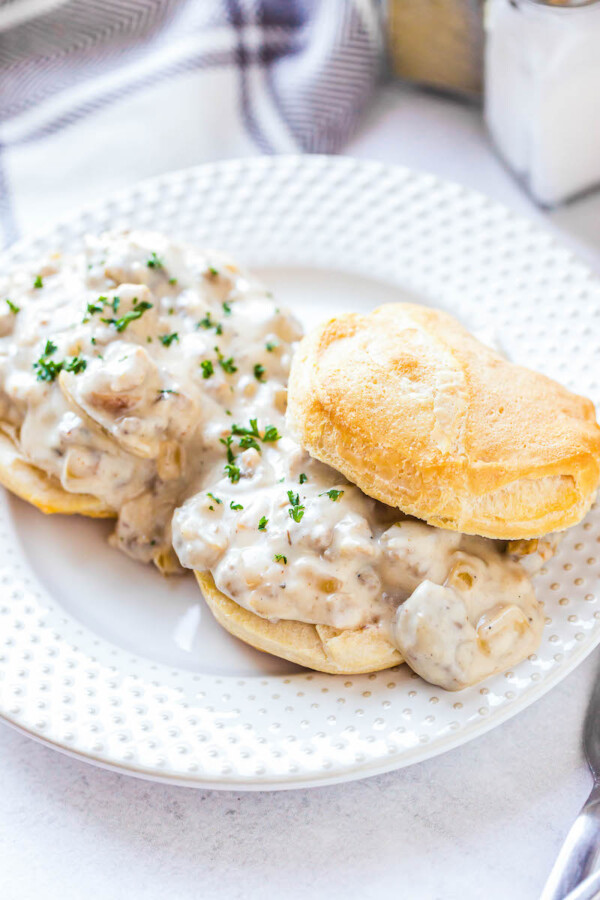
(102, 658)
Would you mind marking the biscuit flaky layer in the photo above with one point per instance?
(353, 651)
(41, 490)
(416, 412)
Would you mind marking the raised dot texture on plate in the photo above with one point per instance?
(395, 233)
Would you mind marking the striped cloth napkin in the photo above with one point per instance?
(96, 94)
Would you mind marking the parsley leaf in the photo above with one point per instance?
(38, 283)
(279, 557)
(259, 372)
(75, 365)
(271, 434)
(212, 497)
(13, 306)
(207, 368)
(49, 349)
(233, 472)
(154, 262)
(297, 510)
(271, 345)
(227, 308)
(212, 272)
(167, 339)
(248, 441)
(228, 442)
(235, 506)
(303, 478)
(226, 364)
(332, 494)
(262, 525)
(138, 310)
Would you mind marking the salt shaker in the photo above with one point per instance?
(542, 93)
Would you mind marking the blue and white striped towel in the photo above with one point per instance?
(95, 94)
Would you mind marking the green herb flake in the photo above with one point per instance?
(248, 441)
(303, 478)
(154, 262)
(259, 372)
(297, 510)
(227, 308)
(271, 345)
(212, 497)
(262, 525)
(137, 312)
(271, 434)
(226, 364)
(332, 494)
(38, 283)
(49, 349)
(116, 302)
(232, 472)
(212, 272)
(75, 365)
(93, 341)
(280, 558)
(235, 506)
(207, 368)
(13, 306)
(172, 281)
(167, 339)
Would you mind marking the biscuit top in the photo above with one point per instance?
(415, 411)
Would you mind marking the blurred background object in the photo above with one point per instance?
(95, 94)
(542, 98)
(437, 43)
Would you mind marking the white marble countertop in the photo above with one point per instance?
(485, 820)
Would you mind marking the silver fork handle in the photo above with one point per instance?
(580, 853)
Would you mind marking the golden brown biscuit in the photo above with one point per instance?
(410, 407)
(352, 651)
(40, 489)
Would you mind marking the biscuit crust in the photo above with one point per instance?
(416, 412)
(352, 651)
(41, 490)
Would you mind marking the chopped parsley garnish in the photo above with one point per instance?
(233, 472)
(212, 497)
(93, 308)
(253, 430)
(248, 441)
(297, 510)
(154, 262)
(93, 340)
(262, 525)
(235, 506)
(38, 283)
(332, 494)
(167, 339)
(259, 372)
(13, 306)
(116, 301)
(47, 369)
(75, 365)
(167, 391)
(227, 308)
(271, 345)
(279, 557)
(207, 368)
(205, 322)
(214, 273)
(226, 364)
(228, 442)
(138, 310)
(303, 478)
(271, 434)
(172, 281)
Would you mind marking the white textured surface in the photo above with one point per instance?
(485, 820)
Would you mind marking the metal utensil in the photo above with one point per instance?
(580, 853)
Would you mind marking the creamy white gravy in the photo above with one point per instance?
(171, 396)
